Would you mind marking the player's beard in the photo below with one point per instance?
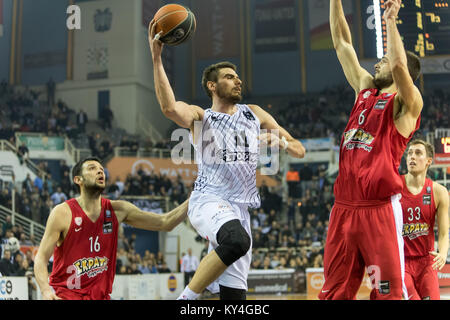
(94, 188)
(382, 82)
(228, 96)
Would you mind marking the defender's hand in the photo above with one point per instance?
(439, 260)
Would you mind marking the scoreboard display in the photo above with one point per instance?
(442, 150)
(424, 26)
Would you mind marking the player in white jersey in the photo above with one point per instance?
(226, 138)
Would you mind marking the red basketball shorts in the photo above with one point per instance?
(420, 278)
(364, 235)
(66, 294)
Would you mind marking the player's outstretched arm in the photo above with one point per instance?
(357, 76)
(440, 257)
(408, 96)
(180, 112)
(277, 135)
(132, 215)
(56, 224)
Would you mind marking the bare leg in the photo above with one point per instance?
(209, 269)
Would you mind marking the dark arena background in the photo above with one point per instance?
(77, 80)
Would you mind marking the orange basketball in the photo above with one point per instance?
(176, 22)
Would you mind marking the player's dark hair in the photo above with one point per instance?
(211, 73)
(413, 65)
(429, 148)
(78, 168)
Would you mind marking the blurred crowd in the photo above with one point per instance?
(131, 262)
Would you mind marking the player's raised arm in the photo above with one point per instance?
(132, 215)
(57, 223)
(284, 140)
(357, 76)
(408, 95)
(180, 112)
(443, 225)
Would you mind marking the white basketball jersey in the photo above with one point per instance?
(227, 150)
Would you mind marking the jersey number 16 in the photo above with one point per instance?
(96, 245)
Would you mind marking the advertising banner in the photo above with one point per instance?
(122, 166)
(42, 142)
(13, 288)
(315, 280)
(271, 281)
(170, 285)
(218, 25)
(275, 25)
(319, 25)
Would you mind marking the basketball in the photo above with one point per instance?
(176, 22)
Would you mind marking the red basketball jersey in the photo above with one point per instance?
(371, 150)
(419, 213)
(85, 263)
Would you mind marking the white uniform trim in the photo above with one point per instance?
(398, 218)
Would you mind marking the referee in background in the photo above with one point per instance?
(189, 264)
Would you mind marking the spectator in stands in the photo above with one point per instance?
(160, 260)
(306, 175)
(267, 264)
(255, 222)
(262, 215)
(123, 270)
(59, 196)
(152, 266)
(17, 264)
(291, 212)
(134, 269)
(26, 208)
(283, 264)
(23, 153)
(164, 268)
(5, 198)
(107, 116)
(24, 240)
(82, 120)
(7, 225)
(256, 264)
(258, 241)
(176, 197)
(119, 185)
(48, 184)
(27, 185)
(38, 183)
(6, 266)
(65, 183)
(272, 242)
(293, 179)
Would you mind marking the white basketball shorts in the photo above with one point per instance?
(207, 213)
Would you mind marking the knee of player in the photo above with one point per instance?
(234, 242)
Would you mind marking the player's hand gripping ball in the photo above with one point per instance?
(174, 24)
